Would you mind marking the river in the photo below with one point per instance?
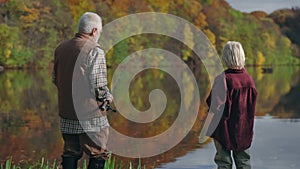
(29, 124)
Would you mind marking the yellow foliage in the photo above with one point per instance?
(259, 74)
(161, 5)
(8, 39)
(269, 40)
(122, 5)
(78, 7)
(211, 36)
(200, 21)
(192, 8)
(259, 14)
(286, 42)
(33, 12)
(188, 90)
(32, 16)
(185, 54)
(188, 36)
(9, 88)
(9, 45)
(7, 53)
(260, 58)
(156, 60)
(179, 2)
(223, 40)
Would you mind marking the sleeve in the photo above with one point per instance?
(216, 102)
(218, 95)
(98, 75)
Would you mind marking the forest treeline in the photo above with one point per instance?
(31, 29)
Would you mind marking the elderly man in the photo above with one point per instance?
(80, 76)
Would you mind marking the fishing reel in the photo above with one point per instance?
(106, 106)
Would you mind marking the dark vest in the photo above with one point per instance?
(75, 98)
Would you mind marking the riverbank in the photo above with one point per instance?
(110, 164)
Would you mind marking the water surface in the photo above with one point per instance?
(29, 122)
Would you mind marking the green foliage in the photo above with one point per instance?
(12, 53)
(207, 2)
(35, 27)
(257, 35)
(236, 14)
(120, 51)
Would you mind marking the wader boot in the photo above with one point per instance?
(96, 163)
(69, 162)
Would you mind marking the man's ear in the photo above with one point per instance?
(94, 30)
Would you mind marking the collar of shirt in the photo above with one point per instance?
(235, 70)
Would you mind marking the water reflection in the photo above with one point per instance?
(29, 126)
(28, 118)
(273, 147)
(277, 91)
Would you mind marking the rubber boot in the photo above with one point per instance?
(95, 163)
(69, 162)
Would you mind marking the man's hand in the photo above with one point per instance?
(109, 98)
(104, 106)
(102, 111)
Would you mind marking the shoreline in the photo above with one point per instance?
(3, 68)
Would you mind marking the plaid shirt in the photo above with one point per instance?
(97, 74)
(82, 126)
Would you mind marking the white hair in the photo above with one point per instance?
(233, 55)
(88, 21)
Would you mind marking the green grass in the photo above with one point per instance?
(43, 164)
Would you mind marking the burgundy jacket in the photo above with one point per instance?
(233, 101)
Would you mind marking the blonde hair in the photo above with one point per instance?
(233, 55)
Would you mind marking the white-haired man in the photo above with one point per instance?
(80, 75)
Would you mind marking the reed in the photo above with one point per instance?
(45, 164)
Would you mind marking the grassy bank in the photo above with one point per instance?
(44, 164)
